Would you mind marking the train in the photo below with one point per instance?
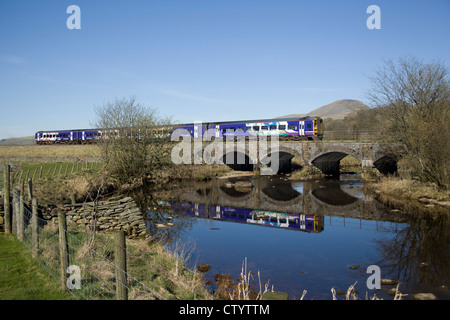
(299, 128)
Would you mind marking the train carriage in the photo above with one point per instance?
(306, 128)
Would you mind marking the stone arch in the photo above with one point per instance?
(284, 156)
(238, 160)
(328, 162)
(386, 164)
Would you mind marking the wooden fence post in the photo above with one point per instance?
(120, 261)
(6, 197)
(73, 198)
(34, 229)
(21, 218)
(63, 248)
(30, 190)
(15, 211)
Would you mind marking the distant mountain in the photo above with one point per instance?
(335, 110)
(17, 141)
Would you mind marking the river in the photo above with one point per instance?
(297, 236)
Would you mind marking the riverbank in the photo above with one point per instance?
(408, 190)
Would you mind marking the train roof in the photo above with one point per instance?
(251, 120)
(206, 122)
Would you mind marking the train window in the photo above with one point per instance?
(273, 127)
(282, 127)
(292, 127)
(256, 128)
(248, 128)
(264, 127)
(308, 126)
(240, 130)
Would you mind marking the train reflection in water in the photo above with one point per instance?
(292, 221)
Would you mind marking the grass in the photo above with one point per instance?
(21, 278)
(410, 189)
(50, 151)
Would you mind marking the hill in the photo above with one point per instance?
(336, 110)
(17, 141)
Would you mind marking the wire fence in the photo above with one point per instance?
(94, 265)
(91, 272)
(355, 135)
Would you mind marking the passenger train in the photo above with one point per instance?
(307, 128)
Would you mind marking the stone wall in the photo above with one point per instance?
(122, 214)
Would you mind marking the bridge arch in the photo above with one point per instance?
(238, 160)
(329, 162)
(284, 155)
(386, 164)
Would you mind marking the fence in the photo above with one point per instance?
(356, 135)
(21, 173)
(87, 267)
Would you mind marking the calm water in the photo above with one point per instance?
(303, 235)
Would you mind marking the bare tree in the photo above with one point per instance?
(131, 147)
(416, 98)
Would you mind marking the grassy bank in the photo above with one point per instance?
(21, 277)
(411, 190)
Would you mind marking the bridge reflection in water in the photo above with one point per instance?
(277, 202)
(302, 222)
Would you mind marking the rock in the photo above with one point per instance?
(275, 296)
(391, 291)
(356, 266)
(388, 282)
(424, 296)
(204, 268)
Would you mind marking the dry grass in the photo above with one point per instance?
(410, 189)
(50, 151)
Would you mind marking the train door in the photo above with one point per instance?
(198, 131)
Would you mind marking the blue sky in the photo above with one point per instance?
(201, 60)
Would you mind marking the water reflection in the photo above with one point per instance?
(302, 222)
(342, 224)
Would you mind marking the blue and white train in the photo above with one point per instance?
(306, 128)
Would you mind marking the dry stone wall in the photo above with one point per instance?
(122, 214)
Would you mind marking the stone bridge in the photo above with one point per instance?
(325, 155)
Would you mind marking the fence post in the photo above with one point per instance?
(20, 218)
(121, 266)
(15, 212)
(6, 197)
(73, 198)
(34, 229)
(63, 247)
(30, 189)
